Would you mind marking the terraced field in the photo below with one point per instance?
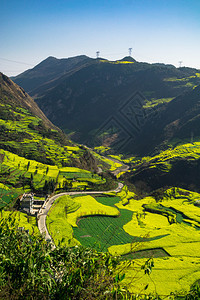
(164, 160)
(16, 169)
(167, 230)
(7, 195)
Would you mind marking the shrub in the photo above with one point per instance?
(31, 269)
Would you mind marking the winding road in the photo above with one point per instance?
(41, 217)
(47, 205)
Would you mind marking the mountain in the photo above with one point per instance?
(11, 94)
(94, 100)
(174, 122)
(48, 70)
(26, 131)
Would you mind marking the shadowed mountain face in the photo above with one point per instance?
(174, 122)
(48, 70)
(108, 102)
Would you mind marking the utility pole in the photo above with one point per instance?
(97, 54)
(130, 50)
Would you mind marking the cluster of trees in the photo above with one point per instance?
(30, 269)
(49, 186)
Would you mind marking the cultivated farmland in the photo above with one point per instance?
(168, 230)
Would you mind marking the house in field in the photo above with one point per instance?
(30, 205)
(26, 203)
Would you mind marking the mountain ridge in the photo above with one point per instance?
(93, 92)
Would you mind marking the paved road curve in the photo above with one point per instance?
(44, 211)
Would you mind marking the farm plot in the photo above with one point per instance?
(7, 195)
(65, 212)
(177, 238)
(90, 206)
(57, 224)
(101, 232)
(167, 230)
(15, 169)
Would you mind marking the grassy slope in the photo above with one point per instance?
(176, 166)
(33, 151)
(26, 135)
(22, 220)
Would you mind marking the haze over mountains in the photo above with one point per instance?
(130, 105)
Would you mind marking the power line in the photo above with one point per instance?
(18, 62)
(114, 53)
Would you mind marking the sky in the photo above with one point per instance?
(164, 31)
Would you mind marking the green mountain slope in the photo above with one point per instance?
(11, 94)
(26, 131)
(34, 154)
(176, 166)
(83, 100)
(175, 122)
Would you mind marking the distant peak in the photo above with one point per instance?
(51, 58)
(128, 58)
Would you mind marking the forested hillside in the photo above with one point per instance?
(98, 100)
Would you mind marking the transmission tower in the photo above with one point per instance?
(180, 63)
(97, 54)
(130, 51)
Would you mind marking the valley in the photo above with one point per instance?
(136, 200)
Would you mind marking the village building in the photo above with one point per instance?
(30, 205)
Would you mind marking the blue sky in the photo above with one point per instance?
(158, 31)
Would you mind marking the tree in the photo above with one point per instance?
(28, 165)
(30, 269)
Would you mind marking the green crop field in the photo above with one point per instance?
(62, 218)
(171, 228)
(168, 231)
(7, 195)
(101, 232)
